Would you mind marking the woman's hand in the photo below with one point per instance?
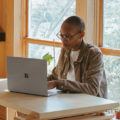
(52, 84)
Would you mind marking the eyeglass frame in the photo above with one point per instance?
(68, 37)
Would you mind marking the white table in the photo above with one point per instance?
(61, 105)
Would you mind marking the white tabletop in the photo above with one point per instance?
(55, 106)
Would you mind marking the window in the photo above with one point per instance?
(103, 25)
(46, 17)
(44, 20)
(42, 51)
(111, 34)
(111, 44)
(112, 67)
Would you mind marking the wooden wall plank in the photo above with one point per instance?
(2, 44)
(10, 23)
(0, 11)
(2, 60)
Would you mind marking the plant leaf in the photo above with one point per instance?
(48, 57)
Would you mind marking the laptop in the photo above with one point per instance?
(27, 75)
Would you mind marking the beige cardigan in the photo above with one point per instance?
(89, 71)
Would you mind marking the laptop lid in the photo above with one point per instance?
(27, 75)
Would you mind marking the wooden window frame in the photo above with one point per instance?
(27, 40)
(105, 51)
(81, 10)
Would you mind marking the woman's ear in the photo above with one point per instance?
(82, 34)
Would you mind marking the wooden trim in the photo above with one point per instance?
(100, 44)
(2, 60)
(81, 11)
(0, 13)
(96, 20)
(90, 26)
(40, 42)
(26, 21)
(112, 52)
(26, 48)
(43, 42)
(105, 51)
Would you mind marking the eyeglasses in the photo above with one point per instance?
(68, 37)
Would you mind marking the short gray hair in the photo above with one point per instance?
(75, 20)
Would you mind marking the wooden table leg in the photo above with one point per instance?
(2, 113)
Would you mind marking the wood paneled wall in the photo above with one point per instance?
(11, 22)
(0, 10)
(2, 44)
(2, 56)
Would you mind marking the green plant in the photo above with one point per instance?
(48, 57)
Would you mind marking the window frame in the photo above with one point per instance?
(27, 40)
(81, 10)
(105, 51)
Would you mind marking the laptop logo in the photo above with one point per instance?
(26, 75)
